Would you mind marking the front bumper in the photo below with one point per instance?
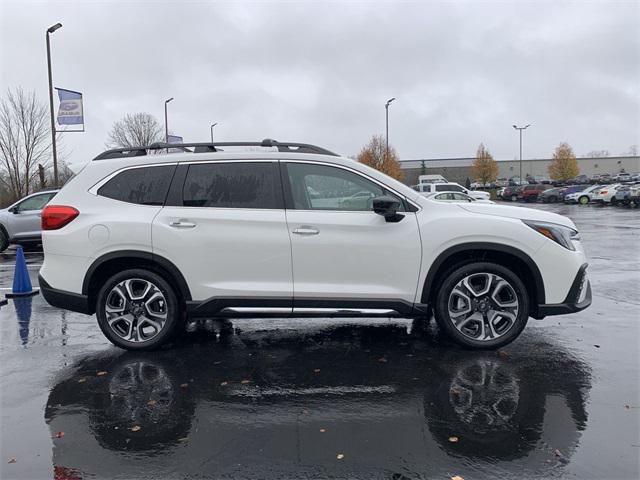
(67, 300)
(578, 298)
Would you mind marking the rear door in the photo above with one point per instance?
(224, 227)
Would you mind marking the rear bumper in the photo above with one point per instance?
(67, 300)
(578, 298)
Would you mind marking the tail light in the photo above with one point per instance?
(57, 216)
(603, 192)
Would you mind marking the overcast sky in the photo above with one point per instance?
(462, 72)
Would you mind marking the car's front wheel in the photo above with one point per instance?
(4, 240)
(482, 305)
(583, 200)
(137, 310)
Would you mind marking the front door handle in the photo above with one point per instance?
(306, 230)
(182, 224)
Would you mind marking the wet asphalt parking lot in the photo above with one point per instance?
(309, 398)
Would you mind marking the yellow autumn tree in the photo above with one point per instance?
(485, 168)
(374, 154)
(564, 164)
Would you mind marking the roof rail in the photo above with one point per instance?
(213, 147)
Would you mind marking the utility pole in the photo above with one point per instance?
(386, 108)
(520, 129)
(50, 30)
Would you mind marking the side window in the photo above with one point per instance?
(232, 185)
(459, 196)
(321, 187)
(36, 202)
(144, 185)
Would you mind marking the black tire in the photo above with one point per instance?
(453, 277)
(553, 199)
(4, 240)
(171, 309)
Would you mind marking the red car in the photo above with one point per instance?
(529, 193)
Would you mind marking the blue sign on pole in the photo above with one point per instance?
(70, 110)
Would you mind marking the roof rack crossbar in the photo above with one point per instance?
(213, 147)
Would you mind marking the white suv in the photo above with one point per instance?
(141, 240)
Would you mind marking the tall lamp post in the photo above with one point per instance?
(386, 108)
(212, 125)
(166, 123)
(50, 30)
(520, 129)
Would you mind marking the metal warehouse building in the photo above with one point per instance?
(459, 169)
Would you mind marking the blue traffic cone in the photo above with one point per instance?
(21, 281)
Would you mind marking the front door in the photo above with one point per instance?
(25, 220)
(225, 230)
(343, 252)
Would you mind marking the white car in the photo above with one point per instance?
(454, 197)
(144, 241)
(582, 197)
(427, 188)
(604, 194)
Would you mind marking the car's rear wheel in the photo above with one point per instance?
(137, 310)
(514, 198)
(482, 305)
(4, 240)
(583, 200)
(553, 199)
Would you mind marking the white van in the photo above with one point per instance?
(431, 179)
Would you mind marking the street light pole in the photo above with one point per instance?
(166, 123)
(50, 30)
(520, 129)
(212, 125)
(386, 108)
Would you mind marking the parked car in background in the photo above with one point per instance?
(511, 193)
(605, 178)
(622, 177)
(605, 194)
(622, 195)
(581, 196)
(579, 180)
(551, 195)
(635, 177)
(454, 197)
(500, 192)
(502, 182)
(20, 222)
(572, 189)
(450, 187)
(529, 193)
(634, 197)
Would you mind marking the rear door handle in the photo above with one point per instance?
(306, 230)
(182, 224)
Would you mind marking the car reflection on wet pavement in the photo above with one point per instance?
(301, 398)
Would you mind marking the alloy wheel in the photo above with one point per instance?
(483, 306)
(136, 310)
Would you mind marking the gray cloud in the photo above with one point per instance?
(462, 72)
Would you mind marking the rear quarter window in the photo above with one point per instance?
(143, 186)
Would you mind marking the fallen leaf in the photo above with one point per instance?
(184, 439)
(135, 428)
(217, 363)
(151, 403)
(558, 453)
(457, 477)
(59, 435)
(184, 385)
(453, 439)
(503, 354)
(245, 381)
(597, 346)
(627, 407)
(322, 430)
(82, 380)
(383, 360)
(101, 373)
(340, 456)
(12, 460)
(305, 412)
(316, 370)
(224, 383)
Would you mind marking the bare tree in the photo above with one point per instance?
(25, 141)
(135, 130)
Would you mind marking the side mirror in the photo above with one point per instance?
(14, 210)
(387, 207)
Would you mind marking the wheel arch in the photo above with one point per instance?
(109, 264)
(505, 255)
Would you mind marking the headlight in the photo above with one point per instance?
(553, 231)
